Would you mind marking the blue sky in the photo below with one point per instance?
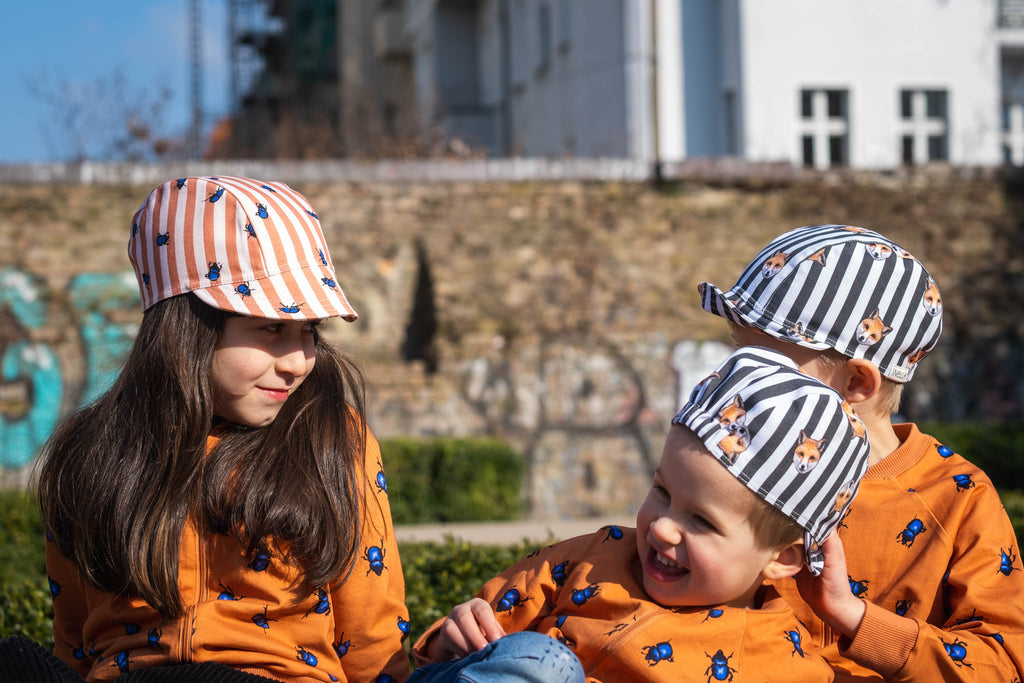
(72, 48)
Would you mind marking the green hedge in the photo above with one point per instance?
(997, 448)
(452, 480)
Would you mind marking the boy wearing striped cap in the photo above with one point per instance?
(930, 586)
(757, 470)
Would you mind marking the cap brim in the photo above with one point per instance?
(723, 304)
(320, 296)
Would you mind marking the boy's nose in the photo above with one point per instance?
(665, 531)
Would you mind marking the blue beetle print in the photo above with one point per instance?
(261, 619)
(560, 620)
(403, 626)
(77, 652)
(214, 272)
(260, 562)
(957, 651)
(902, 607)
(145, 279)
(342, 646)
(794, 638)
(322, 605)
(216, 195)
(328, 282)
(653, 654)
(323, 259)
(914, 528)
(54, 587)
(1006, 560)
(162, 239)
(963, 482)
(289, 308)
(998, 637)
(582, 595)
(375, 556)
(382, 482)
(719, 669)
(181, 182)
(305, 656)
(268, 188)
(261, 211)
(312, 214)
(509, 600)
(226, 593)
(135, 229)
(559, 573)
(614, 534)
(131, 629)
(251, 231)
(858, 588)
(243, 289)
(384, 678)
(713, 613)
(122, 661)
(944, 451)
(153, 637)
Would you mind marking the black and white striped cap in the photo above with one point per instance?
(789, 438)
(839, 287)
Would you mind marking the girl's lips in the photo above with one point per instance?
(276, 394)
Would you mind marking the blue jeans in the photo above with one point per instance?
(522, 657)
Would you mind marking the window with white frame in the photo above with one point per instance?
(1013, 132)
(924, 125)
(825, 127)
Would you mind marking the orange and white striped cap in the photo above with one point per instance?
(238, 244)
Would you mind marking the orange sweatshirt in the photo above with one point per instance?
(588, 592)
(247, 613)
(927, 538)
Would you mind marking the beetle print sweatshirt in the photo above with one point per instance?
(248, 612)
(931, 550)
(588, 593)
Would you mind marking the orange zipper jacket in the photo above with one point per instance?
(247, 613)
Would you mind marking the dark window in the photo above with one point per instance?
(807, 104)
(937, 148)
(908, 149)
(935, 104)
(808, 144)
(837, 150)
(836, 104)
(906, 103)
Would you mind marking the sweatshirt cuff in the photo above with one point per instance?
(883, 641)
(419, 650)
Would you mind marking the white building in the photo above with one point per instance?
(860, 83)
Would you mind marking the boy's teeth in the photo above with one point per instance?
(667, 562)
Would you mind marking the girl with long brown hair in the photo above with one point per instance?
(220, 502)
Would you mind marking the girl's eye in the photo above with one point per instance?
(274, 327)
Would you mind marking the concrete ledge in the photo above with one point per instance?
(507, 533)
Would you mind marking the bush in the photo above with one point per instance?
(452, 480)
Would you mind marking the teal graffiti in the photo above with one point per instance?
(32, 386)
(33, 389)
(99, 302)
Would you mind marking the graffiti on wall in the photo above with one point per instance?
(36, 386)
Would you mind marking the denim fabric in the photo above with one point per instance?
(523, 657)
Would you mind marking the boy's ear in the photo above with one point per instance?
(788, 562)
(862, 380)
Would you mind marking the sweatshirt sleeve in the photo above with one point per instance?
(371, 619)
(520, 596)
(70, 610)
(981, 635)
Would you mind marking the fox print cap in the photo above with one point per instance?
(839, 287)
(241, 245)
(787, 437)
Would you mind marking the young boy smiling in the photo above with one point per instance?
(757, 470)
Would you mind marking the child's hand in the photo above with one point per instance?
(829, 594)
(469, 627)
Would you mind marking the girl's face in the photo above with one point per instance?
(257, 365)
(694, 535)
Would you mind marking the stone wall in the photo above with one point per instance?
(567, 316)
